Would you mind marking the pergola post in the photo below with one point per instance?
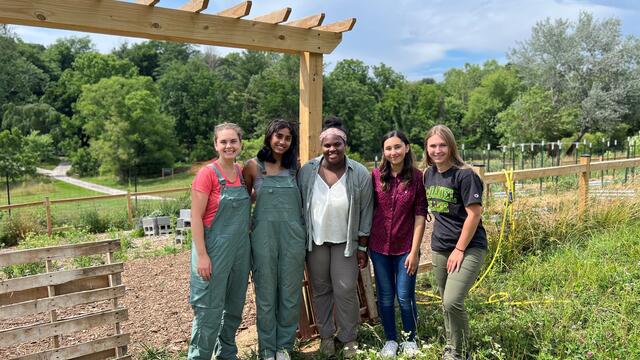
(310, 105)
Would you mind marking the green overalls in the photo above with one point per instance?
(278, 249)
(218, 303)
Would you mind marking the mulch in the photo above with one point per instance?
(159, 313)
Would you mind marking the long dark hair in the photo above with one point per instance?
(407, 166)
(290, 157)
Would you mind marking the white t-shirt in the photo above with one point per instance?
(330, 211)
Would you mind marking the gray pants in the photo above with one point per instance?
(453, 289)
(334, 280)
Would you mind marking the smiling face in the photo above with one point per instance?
(333, 149)
(281, 141)
(438, 151)
(228, 144)
(394, 150)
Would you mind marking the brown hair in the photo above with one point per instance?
(445, 133)
(226, 126)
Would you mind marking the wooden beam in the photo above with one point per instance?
(236, 12)
(150, 22)
(74, 351)
(56, 278)
(276, 17)
(340, 26)
(31, 333)
(58, 252)
(148, 2)
(310, 105)
(307, 22)
(195, 6)
(59, 302)
(15, 297)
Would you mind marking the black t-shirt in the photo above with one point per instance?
(447, 195)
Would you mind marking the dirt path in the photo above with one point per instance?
(60, 173)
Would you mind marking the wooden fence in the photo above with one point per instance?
(56, 290)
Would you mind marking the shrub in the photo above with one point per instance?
(16, 227)
(84, 163)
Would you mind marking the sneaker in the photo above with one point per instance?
(282, 355)
(447, 353)
(350, 349)
(409, 348)
(389, 349)
(327, 347)
(270, 358)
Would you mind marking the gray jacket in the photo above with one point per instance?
(359, 192)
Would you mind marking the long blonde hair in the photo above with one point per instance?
(445, 133)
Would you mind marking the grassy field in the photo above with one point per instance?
(39, 187)
(169, 182)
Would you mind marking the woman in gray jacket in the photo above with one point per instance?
(337, 197)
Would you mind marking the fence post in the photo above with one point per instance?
(47, 205)
(583, 184)
(129, 208)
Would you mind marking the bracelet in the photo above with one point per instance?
(457, 248)
(362, 248)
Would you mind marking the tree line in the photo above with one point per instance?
(151, 104)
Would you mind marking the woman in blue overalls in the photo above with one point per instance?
(277, 240)
(221, 253)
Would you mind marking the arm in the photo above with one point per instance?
(249, 174)
(420, 211)
(413, 259)
(366, 216)
(474, 214)
(198, 205)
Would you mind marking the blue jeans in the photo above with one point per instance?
(392, 279)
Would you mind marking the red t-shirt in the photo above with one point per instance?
(206, 181)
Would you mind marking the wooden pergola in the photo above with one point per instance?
(306, 37)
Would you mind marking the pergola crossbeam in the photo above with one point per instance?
(195, 5)
(148, 2)
(339, 26)
(307, 22)
(239, 11)
(276, 17)
(151, 22)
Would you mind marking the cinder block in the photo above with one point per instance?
(164, 225)
(150, 226)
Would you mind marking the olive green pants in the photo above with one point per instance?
(453, 289)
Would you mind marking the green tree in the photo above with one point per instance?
(497, 90)
(531, 118)
(20, 80)
(18, 157)
(272, 94)
(586, 65)
(34, 117)
(196, 97)
(127, 129)
(153, 57)
(62, 54)
(87, 68)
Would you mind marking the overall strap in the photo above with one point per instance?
(261, 167)
(221, 179)
(239, 174)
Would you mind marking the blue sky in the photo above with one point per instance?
(419, 38)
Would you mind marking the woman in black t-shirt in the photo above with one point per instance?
(458, 241)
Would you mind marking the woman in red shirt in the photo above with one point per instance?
(394, 245)
(221, 253)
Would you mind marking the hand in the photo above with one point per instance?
(455, 261)
(362, 259)
(204, 267)
(411, 263)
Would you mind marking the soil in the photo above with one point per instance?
(157, 302)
